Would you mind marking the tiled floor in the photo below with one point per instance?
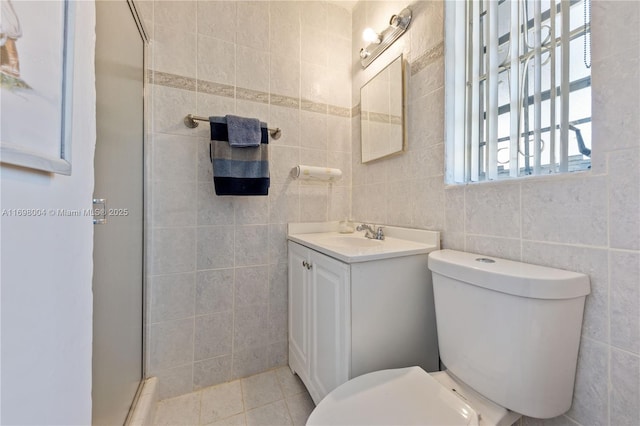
(275, 397)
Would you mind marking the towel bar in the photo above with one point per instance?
(190, 122)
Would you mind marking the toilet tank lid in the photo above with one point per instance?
(507, 276)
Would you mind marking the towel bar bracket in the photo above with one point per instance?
(190, 122)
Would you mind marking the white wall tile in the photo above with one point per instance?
(214, 291)
(249, 361)
(179, 15)
(214, 210)
(251, 210)
(314, 203)
(399, 203)
(283, 159)
(252, 68)
(250, 327)
(314, 47)
(284, 203)
(339, 22)
(313, 130)
(617, 104)
(313, 82)
(174, 204)
(251, 286)
(339, 134)
(211, 105)
(288, 120)
(216, 60)
(174, 158)
(174, 382)
(493, 209)
(211, 371)
(505, 248)
(624, 199)
(170, 106)
(172, 297)
(285, 29)
(170, 344)
(212, 335)
(285, 75)
(252, 244)
(565, 210)
(173, 250)
(217, 19)
(625, 389)
(252, 29)
(625, 300)
(313, 14)
(278, 243)
(215, 247)
(625, 18)
(427, 29)
(175, 51)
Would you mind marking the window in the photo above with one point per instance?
(503, 57)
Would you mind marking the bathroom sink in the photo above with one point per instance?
(344, 241)
(352, 248)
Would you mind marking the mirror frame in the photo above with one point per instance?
(403, 117)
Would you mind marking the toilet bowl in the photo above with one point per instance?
(508, 333)
(408, 396)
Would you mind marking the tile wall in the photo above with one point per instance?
(217, 273)
(587, 222)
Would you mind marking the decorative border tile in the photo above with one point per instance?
(212, 88)
(339, 111)
(284, 101)
(311, 106)
(252, 95)
(427, 58)
(218, 89)
(172, 80)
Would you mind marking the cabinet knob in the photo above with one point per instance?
(304, 263)
(309, 266)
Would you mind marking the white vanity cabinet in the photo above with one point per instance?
(319, 320)
(352, 316)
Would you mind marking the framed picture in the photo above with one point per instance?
(36, 81)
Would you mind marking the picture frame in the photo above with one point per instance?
(36, 84)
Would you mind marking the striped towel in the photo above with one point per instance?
(238, 171)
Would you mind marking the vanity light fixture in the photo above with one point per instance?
(378, 43)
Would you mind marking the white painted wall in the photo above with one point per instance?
(46, 271)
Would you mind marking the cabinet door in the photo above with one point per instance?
(330, 324)
(298, 310)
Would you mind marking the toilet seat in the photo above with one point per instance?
(404, 396)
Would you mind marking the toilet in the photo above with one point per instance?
(508, 334)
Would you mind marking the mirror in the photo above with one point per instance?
(382, 128)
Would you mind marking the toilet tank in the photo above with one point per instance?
(509, 330)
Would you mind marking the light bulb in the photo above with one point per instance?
(370, 36)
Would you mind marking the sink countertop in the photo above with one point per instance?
(354, 247)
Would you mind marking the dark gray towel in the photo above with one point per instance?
(243, 132)
(238, 171)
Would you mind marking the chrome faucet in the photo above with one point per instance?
(371, 231)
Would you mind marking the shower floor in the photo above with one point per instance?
(275, 397)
